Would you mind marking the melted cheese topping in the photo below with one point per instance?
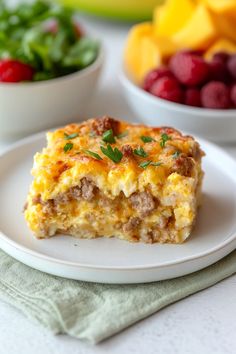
(55, 170)
(110, 211)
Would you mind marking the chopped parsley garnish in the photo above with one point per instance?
(176, 154)
(114, 154)
(93, 154)
(71, 136)
(164, 139)
(108, 136)
(156, 163)
(147, 139)
(145, 164)
(68, 147)
(122, 135)
(140, 152)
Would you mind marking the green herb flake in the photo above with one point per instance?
(164, 139)
(147, 139)
(93, 154)
(108, 136)
(113, 154)
(145, 164)
(140, 152)
(156, 163)
(122, 135)
(68, 147)
(71, 136)
(176, 154)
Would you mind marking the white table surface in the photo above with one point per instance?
(204, 323)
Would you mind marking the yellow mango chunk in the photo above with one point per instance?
(221, 45)
(166, 46)
(232, 15)
(141, 29)
(172, 16)
(150, 58)
(141, 52)
(133, 46)
(225, 25)
(221, 6)
(199, 32)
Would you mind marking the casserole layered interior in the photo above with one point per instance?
(149, 194)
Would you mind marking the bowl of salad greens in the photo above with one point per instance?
(48, 67)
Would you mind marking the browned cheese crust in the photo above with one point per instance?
(106, 177)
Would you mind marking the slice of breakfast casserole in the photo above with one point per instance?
(109, 178)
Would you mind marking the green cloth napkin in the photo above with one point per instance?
(93, 312)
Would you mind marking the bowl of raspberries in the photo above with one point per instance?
(190, 93)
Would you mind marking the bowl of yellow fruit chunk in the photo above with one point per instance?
(180, 69)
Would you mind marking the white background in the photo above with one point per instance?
(204, 323)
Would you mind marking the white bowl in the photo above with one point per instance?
(30, 107)
(216, 125)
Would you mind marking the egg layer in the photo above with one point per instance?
(106, 177)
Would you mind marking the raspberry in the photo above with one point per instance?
(167, 88)
(15, 71)
(192, 97)
(232, 66)
(154, 75)
(215, 94)
(218, 71)
(189, 69)
(233, 94)
(221, 56)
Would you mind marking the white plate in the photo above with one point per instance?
(111, 260)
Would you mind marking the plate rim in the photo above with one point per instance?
(3, 237)
(54, 260)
